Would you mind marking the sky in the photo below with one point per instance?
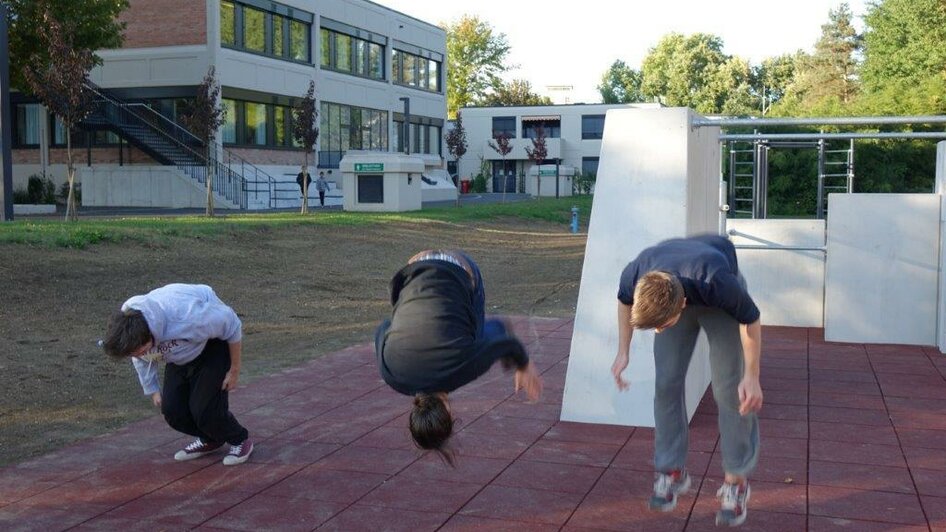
(554, 42)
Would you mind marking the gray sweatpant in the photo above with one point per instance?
(673, 349)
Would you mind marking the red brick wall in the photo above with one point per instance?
(165, 23)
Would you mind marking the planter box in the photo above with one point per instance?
(30, 208)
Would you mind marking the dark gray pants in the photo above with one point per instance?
(673, 349)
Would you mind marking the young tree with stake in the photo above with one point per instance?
(203, 117)
(306, 132)
(537, 154)
(502, 147)
(456, 146)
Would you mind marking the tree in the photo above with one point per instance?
(825, 82)
(93, 25)
(771, 79)
(59, 79)
(537, 154)
(621, 84)
(502, 147)
(692, 71)
(475, 58)
(456, 146)
(516, 92)
(904, 68)
(203, 116)
(306, 132)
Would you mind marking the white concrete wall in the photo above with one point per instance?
(941, 191)
(546, 185)
(144, 186)
(883, 268)
(652, 171)
(787, 286)
(152, 67)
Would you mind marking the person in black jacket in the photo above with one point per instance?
(438, 340)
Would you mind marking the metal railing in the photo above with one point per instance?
(188, 152)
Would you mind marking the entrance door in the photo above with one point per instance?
(507, 181)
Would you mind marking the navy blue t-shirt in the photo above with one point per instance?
(706, 266)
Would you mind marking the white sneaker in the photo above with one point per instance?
(239, 453)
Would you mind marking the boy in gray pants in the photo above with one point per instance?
(676, 288)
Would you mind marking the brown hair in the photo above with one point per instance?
(658, 297)
(431, 425)
(126, 332)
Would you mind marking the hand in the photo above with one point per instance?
(230, 381)
(750, 395)
(620, 364)
(528, 379)
(156, 399)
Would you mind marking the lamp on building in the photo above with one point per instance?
(6, 161)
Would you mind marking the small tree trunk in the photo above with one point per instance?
(459, 182)
(210, 195)
(538, 185)
(305, 182)
(72, 213)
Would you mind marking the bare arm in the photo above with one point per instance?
(750, 391)
(233, 376)
(625, 333)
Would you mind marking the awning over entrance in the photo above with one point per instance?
(541, 118)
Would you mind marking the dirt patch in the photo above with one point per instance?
(300, 291)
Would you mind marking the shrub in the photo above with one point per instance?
(583, 182)
(40, 189)
(64, 192)
(479, 183)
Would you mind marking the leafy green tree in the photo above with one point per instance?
(825, 82)
(59, 81)
(621, 84)
(904, 68)
(92, 25)
(516, 92)
(476, 56)
(771, 79)
(692, 71)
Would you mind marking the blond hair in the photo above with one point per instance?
(658, 297)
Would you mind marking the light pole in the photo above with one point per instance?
(407, 125)
(6, 160)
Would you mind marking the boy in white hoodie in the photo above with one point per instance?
(199, 337)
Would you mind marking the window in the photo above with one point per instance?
(425, 138)
(254, 125)
(589, 165)
(504, 124)
(28, 117)
(257, 124)
(416, 71)
(345, 127)
(227, 23)
(552, 128)
(592, 126)
(229, 121)
(275, 32)
(352, 55)
(254, 30)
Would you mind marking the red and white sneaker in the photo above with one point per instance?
(196, 449)
(733, 501)
(667, 488)
(239, 453)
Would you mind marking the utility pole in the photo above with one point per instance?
(6, 137)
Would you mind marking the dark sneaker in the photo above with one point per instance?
(667, 487)
(196, 449)
(238, 453)
(733, 500)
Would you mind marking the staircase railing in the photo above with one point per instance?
(192, 158)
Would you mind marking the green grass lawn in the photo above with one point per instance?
(156, 230)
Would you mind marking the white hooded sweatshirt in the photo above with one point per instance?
(182, 318)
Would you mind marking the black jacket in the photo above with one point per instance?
(430, 343)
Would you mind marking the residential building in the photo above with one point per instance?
(573, 138)
(369, 63)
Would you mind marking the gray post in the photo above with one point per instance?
(407, 125)
(557, 161)
(6, 137)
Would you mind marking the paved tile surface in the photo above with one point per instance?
(854, 438)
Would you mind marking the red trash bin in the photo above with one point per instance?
(465, 185)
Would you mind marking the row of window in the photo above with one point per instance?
(27, 122)
(352, 55)
(592, 127)
(257, 124)
(425, 138)
(416, 71)
(346, 127)
(253, 30)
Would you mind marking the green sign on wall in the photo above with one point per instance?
(544, 173)
(369, 167)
